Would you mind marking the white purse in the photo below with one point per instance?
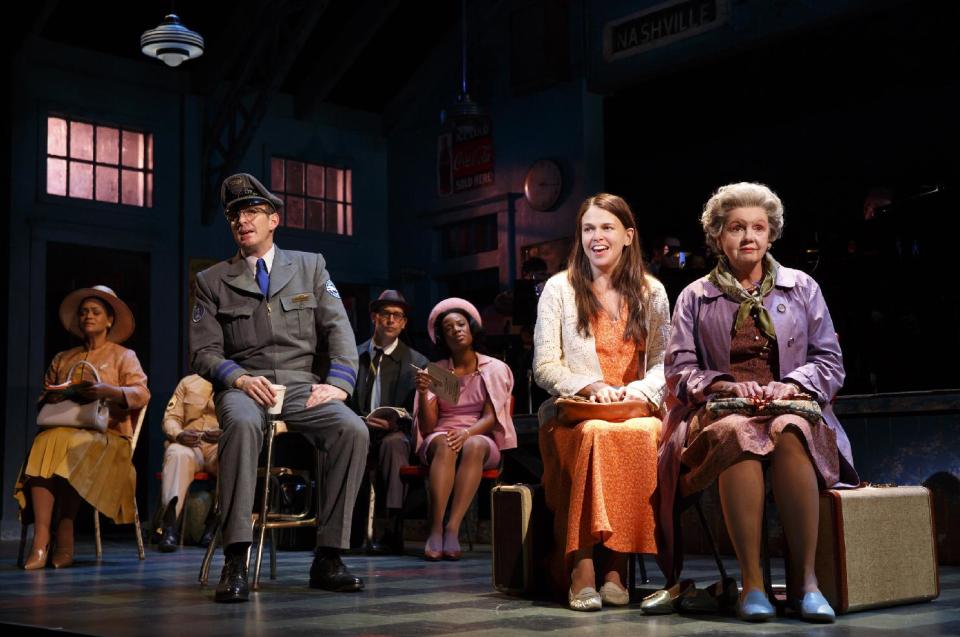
(68, 413)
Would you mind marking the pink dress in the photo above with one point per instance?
(463, 415)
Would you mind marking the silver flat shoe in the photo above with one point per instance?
(612, 594)
(588, 599)
(814, 607)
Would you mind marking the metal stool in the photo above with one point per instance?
(265, 519)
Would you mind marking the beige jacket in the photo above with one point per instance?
(564, 361)
(190, 407)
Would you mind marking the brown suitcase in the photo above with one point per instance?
(517, 517)
(877, 547)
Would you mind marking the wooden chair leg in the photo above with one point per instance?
(371, 507)
(96, 534)
(136, 525)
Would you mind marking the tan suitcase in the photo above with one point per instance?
(877, 547)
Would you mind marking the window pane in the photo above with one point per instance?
(314, 180)
(332, 185)
(330, 216)
(81, 141)
(341, 222)
(294, 216)
(349, 215)
(294, 177)
(108, 146)
(131, 186)
(57, 137)
(315, 215)
(81, 180)
(133, 150)
(349, 186)
(149, 152)
(57, 176)
(107, 187)
(276, 175)
(149, 190)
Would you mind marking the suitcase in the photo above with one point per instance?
(876, 547)
(519, 521)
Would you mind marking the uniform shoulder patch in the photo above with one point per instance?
(197, 312)
(332, 289)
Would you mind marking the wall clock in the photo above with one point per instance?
(543, 184)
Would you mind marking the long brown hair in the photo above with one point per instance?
(629, 276)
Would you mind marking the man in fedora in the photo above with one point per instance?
(259, 319)
(387, 378)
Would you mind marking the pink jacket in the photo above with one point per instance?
(498, 381)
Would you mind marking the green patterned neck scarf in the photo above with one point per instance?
(750, 304)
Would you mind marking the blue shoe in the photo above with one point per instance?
(814, 608)
(755, 607)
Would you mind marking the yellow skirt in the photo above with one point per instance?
(98, 465)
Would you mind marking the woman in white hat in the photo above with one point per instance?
(68, 463)
(460, 439)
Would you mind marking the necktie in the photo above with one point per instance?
(372, 373)
(263, 277)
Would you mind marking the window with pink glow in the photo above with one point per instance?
(316, 197)
(103, 163)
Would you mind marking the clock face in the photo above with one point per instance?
(543, 184)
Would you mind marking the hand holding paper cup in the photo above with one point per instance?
(277, 406)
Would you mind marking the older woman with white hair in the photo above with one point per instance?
(756, 330)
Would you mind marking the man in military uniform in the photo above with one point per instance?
(190, 425)
(387, 378)
(258, 320)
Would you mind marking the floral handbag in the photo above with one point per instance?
(801, 404)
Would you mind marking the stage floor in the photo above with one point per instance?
(403, 596)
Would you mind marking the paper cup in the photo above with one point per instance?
(278, 406)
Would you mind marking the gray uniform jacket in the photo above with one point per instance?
(298, 334)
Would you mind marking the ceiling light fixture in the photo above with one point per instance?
(172, 42)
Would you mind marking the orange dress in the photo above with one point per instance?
(599, 477)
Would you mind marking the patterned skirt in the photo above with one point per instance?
(715, 445)
(598, 480)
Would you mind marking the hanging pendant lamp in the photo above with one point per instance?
(171, 42)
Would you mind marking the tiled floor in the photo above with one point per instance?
(403, 596)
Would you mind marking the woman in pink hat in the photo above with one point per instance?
(67, 464)
(458, 440)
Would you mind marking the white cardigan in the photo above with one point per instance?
(564, 362)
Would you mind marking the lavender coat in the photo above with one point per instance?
(699, 353)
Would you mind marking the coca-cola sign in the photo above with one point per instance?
(465, 156)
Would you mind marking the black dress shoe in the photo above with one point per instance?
(389, 544)
(233, 585)
(330, 573)
(206, 538)
(169, 541)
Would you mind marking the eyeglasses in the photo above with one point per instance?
(396, 316)
(247, 213)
